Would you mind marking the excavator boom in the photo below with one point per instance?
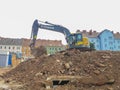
(47, 26)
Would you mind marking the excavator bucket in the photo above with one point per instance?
(39, 51)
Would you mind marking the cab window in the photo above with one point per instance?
(79, 37)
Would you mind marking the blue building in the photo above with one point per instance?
(105, 40)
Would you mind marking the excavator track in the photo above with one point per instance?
(82, 49)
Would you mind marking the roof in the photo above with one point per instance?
(104, 31)
(90, 34)
(42, 42)
(9, 41)
(117, 35)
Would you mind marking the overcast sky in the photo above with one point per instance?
(17, 16)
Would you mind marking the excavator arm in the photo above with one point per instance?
(47, 26)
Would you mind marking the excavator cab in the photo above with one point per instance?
(76, 40)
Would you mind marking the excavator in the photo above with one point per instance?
(74, 40)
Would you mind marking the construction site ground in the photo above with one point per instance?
(90, 70)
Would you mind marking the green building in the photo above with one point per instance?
(53, 49)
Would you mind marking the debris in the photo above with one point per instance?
(97, 72)
(67, 65)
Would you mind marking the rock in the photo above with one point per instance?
(39, 74)
(106, 57)
(58, 60)
(111, 81)
(97, 72)
(111, 66)
(110, 78)
(70, 63)
(67, 65)
(99, 64)
(62, 71)
(110, 88)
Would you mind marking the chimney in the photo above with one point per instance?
(112, 32)
(94, 31)
(90, 32)
(84, 31)
(78, 31)
(117, 33)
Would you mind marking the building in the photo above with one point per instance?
(105, 40)
(54, 49)
(13, 51)
(25, 48)
(52, 46)
(5, 59)
(11, 45)
(21, 48)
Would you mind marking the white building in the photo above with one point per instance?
(11, 45)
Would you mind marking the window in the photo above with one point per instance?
(105, 39)
(110, 37)
(9, 47)
(97, 40)
(105, 45)
(55, 48)
(110, 43)
(114, 46)
(114, 41)
(18, 48)
(97, 46)
(0, 47)
(59, 48)
(52, 48)
(118, 47)
(118, 41)
(13, 47)
(92, 41)
(5, 47)
(79, 37)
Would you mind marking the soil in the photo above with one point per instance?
(4, 70)
(99, 70)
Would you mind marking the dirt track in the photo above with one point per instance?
(100, 71)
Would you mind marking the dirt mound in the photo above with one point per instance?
(99, 70)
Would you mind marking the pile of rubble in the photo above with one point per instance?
(97, 70)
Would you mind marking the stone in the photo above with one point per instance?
(38, 74)
(67, 65)
(110, 88)
(111, 81)
(97, 72)
(58, 60)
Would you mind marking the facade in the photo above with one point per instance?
(105, 40)
(25, 48)
(53, 49)
(11, 45)
(10, 51)
(14, 51)
(5, 59)
(52, 46)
